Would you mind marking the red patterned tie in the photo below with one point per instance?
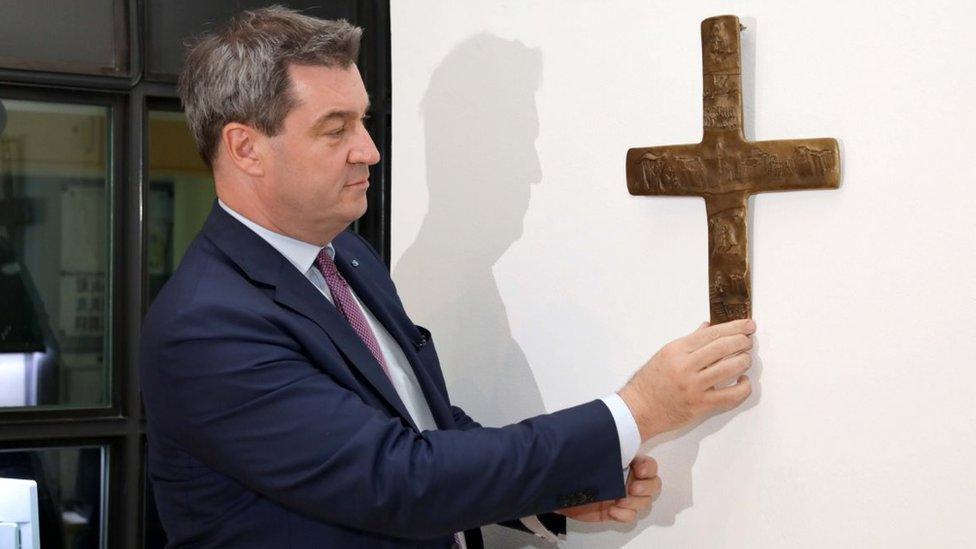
(342, 297)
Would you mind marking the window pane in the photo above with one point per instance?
(181, 192)
(64, 36)
(70, 484)
(172, 23)
(54, 254)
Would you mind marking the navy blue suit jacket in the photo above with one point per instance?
(270, 424)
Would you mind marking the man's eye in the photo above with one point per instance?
(336, 132)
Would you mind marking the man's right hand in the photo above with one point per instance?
(678, 385)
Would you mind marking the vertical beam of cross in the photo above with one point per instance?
(725, 168)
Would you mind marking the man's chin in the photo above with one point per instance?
(360, 211)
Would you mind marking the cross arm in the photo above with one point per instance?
(787, 165)
(671, 170)
(724, 165)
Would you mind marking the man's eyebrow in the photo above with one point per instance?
(334, 115)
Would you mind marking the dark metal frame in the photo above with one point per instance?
(120, 425)
(375, 66)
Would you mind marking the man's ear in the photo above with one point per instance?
(240, 142)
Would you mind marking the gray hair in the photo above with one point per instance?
(240, 73)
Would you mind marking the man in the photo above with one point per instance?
(291, 402)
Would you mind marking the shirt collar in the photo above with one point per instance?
(299, 253)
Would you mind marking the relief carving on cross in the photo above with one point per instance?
(725, 169)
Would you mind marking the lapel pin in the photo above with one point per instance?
(355, 262)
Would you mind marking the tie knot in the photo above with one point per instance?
(324, 261)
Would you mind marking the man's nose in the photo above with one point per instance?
(364, 151)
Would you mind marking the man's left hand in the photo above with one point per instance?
(643, 487)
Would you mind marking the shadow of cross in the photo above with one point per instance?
(725, 169)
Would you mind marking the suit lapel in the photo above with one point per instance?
(263, 264)
(303, 297)
(368, 293)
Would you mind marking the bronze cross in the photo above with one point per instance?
(725, 169)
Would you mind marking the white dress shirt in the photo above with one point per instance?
(302, 255)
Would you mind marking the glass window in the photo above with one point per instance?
(70, 492)
(65, 36)
(54, 254)
(171, 23)
(181, 193)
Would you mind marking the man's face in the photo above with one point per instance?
(318, 164)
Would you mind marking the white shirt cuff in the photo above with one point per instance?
(627, 430)
(533, 523)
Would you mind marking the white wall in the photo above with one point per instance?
(546, 284)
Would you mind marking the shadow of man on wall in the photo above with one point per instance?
(480, 126)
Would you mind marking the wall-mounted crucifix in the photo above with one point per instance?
(725, 169)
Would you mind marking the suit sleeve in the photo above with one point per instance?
(462, 420)
(235, 391)
(553, 522)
